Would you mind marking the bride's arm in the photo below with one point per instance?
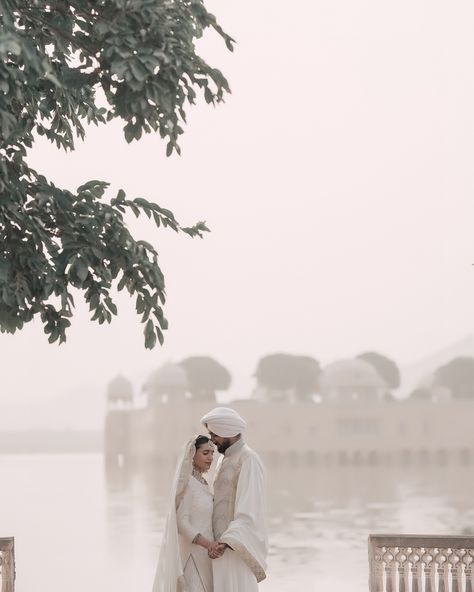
(202, 541)
(183, 518)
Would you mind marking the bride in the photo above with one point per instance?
(184, 564)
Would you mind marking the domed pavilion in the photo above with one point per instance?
(168, 383)
(119, 392)
(349, 380)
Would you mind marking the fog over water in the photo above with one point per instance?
(337, 181)
(78, 531)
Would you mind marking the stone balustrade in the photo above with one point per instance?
(7, 564)
(419, 563)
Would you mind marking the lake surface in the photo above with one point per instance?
(77, 529)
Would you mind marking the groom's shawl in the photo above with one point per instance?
(239, 517)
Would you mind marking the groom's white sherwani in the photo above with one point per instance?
(239, 520)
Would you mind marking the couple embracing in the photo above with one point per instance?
(215, 542)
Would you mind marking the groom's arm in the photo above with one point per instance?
(249, 511)
(247, 532)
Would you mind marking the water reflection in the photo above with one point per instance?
(78, 527)
(320, 517)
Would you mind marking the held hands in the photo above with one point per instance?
(216, 549)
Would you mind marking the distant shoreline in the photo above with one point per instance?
(51, 441)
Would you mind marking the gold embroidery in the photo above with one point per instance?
(247, 558)
(225, 491)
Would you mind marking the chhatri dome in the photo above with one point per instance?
(167, 376)
(168, 383)
(346, 380)
(428, 388)
(119, 389)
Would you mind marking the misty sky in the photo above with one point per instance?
(337, 181)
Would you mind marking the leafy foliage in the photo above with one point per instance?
(421, 394)
(386, 368)
(306, 376)
(58, 60)
(206, 376)
(458, 377)
(284, 372)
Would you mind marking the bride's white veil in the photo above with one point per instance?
(169, 571)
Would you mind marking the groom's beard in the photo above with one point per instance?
(223, 447)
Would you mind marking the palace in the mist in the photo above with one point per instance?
(351, 421)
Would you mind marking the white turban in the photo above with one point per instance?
(224, 422)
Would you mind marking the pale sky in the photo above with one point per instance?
(337, 180)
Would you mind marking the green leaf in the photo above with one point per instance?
(110, 305)
(129, 132)
(150, 336)
(79, 269)
(140, 305)
(138, 70)
(161, 337)
(120, 196)
(4, 271)
(92, 186)
(146, 245)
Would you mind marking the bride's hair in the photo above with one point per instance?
(200, 440)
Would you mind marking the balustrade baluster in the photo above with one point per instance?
(7, 567)
(394, 576)
(388, 558)
(454, 561)
(461, 570)
(441, 569)
(388, 579)
(468, 585)
(403, 570)
(468, 571)
(433, 576)
(441, 586)
(414, 558)
(6, 576)
(448, 575)
(427, 559)
(379, 571)
(460, 576)
(407, 576)
(401, 580)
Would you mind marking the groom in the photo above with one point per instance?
(239, 516)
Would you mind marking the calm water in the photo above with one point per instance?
(77, 530)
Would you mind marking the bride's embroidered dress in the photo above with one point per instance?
(184, 566)
(194, 517)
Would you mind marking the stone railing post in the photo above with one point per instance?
(7, 564)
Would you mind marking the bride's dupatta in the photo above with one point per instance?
(169, 572)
